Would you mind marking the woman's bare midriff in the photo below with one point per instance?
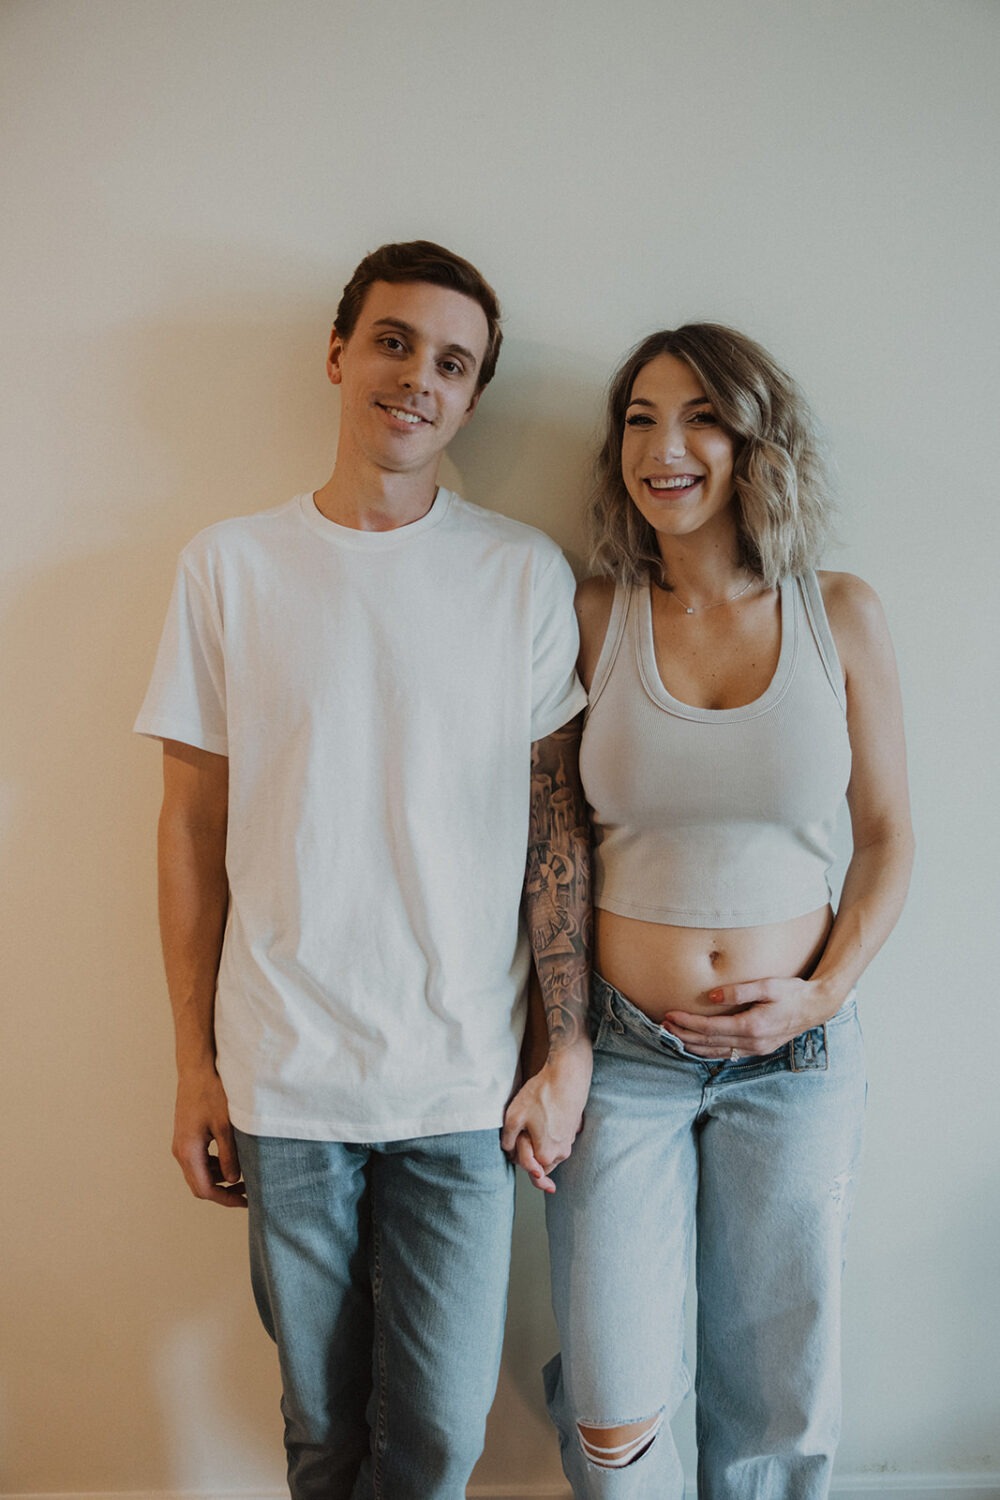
(661, 968)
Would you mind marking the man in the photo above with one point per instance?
(369, 713)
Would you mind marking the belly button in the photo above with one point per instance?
(714, 957)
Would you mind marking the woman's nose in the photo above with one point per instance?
(670, 444)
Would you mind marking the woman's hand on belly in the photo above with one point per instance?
(753, 1018)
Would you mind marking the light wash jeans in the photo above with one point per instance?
(380, 1270)
(758, 1155)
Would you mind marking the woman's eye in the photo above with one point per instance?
(705, 418)
(638, 419)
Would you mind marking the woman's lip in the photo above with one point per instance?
(685, 488)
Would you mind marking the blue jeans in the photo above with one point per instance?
(380, 1270)
(759, 1156)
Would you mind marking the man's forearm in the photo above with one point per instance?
(194, 898)
(557, 886)
(194, 893)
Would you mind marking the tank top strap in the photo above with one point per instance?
(621, 606)
(812, 599)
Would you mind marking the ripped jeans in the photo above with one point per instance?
(758, 1156)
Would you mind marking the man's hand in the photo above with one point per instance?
(546, 1115)
(201, 1118)
(753, 1018)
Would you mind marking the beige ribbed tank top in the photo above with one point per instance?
(716, 817)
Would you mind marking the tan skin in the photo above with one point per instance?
(409, 379)
(746, 989)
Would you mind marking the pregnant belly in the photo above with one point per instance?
(660, 968)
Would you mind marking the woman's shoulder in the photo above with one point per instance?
(595, 598)
(855, 613)
(848, 597)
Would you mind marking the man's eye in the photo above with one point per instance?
(452, 367)
(390, 342)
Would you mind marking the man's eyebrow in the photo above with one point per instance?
(402, 327)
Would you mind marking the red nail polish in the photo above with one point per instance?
(715, 996)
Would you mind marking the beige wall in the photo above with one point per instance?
(185, 188)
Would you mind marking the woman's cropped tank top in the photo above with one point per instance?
(716, 817)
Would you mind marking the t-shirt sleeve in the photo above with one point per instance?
(556, 693)
(186, 698)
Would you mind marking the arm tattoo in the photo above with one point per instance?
(557, 883)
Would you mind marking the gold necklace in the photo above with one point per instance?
(695, 609)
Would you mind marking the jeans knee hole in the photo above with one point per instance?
(615, 1447)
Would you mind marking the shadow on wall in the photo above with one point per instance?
(529, 449)
(127, 1301)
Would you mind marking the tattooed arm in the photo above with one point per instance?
(544, 1117)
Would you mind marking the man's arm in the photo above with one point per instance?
(194, 899)
(544, 1117)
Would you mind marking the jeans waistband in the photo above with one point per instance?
(804, 1053)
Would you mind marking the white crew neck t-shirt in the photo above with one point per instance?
(377, 694)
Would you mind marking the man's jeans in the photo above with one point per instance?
(760, 1156)
(380, 1270)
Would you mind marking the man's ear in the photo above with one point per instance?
(470, 409)
(334, 356)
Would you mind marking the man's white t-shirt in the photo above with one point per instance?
(377, 694)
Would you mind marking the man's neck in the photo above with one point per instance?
(375, 502)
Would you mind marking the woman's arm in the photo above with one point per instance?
(878, 875)
(594, 598)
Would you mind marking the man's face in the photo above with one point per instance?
(408, 374)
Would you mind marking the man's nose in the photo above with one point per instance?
(415, 374)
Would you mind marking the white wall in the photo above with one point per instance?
(186, 187)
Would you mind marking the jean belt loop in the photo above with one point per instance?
(609, 1009)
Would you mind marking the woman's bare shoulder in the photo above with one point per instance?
(848, 597)
(855, 613)
(594, 599)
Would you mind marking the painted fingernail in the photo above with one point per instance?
(715, 996)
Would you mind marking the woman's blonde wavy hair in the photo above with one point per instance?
(783, 500)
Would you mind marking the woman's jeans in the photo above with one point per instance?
(759, 1156)
(381, 1270)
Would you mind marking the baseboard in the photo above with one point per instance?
(858, 1486)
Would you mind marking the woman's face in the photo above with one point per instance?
(677, 461)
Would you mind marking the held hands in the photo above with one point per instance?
(545, 1116)
(752, 1019)
(201, 1117)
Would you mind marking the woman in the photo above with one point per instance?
(735, 698)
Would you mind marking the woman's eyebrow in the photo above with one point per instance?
(694, 401)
